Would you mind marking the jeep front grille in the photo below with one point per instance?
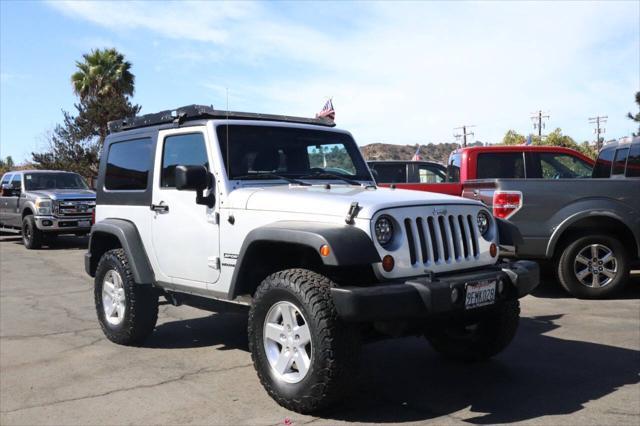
(442, 239)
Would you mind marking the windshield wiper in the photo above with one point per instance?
(325, 174)
(271, 176)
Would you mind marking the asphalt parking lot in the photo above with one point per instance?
(573, 362)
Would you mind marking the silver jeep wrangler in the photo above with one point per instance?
(280, 216)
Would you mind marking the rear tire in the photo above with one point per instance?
(127, 311)
(330, 355)
(31, 235)
(585, 278)
(481, 340)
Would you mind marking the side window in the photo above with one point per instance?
(620, 161)
(602, 169)
(128, 165)
(16, 182)
(562, 166)
(5, 179)
(453, 168)
(633, 162)
(185, 150)
(428, 174)
(391, 173)
(501, 165)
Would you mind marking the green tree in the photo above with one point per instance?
(103, 84)
(6, 164)
(555, 138)
(636, 117)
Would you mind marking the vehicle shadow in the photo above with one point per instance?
(404, 380)
(62, 242)
(551, 289)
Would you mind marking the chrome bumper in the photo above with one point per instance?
(58, 224)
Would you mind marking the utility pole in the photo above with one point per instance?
(537, 118)
(464, 134)
(598, 131)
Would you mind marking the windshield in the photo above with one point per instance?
(36, 181)
(251, 151)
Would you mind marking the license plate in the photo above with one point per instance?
(480, 293)
(84, 223)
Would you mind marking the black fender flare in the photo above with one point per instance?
(349, 246)
(129, 237)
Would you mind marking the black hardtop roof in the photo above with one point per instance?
(199, 112)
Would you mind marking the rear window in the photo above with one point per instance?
(633, 162)
(620, 161)
(501, 165)
(453, 168)
(553, 165)
(390, 173)
(128, 165)
(602, 169)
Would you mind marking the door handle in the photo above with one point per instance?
(160, 208)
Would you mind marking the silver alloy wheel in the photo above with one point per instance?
(113, 297)
(287, 342)
(595, 266)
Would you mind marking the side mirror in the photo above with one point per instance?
(196, 178)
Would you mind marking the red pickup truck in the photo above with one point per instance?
(501, 162)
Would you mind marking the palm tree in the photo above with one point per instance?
(103, 73)
(103, 83)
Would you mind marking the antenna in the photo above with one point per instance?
(228, 161)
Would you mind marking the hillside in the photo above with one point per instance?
(386, 151)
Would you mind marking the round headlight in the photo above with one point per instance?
(384, 230)
(484, 222)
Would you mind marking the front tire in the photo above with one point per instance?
(481, 340)
(594, 267)
(303, 354)
(31, 235)
(127, 311)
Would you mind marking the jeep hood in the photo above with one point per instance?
(335, 201)
(63, 194)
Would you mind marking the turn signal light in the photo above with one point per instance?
(506, 203)
(388, 263)
(325, 250)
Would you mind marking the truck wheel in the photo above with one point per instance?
(127, 311)
(303, 354)
(593, 267)
(31, 235)
(481, 340)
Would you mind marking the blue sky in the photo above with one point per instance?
(398, 72)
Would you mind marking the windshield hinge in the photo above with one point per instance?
(353, 212)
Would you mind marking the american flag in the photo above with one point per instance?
(416, 156)
(529, 140)
(327, 111)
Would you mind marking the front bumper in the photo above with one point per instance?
(423, 297)
(60, 225)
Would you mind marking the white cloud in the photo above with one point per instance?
(409, 72)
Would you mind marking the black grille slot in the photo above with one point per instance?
(445, 242)
(423, 240)
(434, 241)
(465, 244)
(472, 229)
(455, 237)
(410, 240)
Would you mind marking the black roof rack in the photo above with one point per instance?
(196, 112)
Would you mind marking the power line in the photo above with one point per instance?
(598, 131)
(537, 118)
(464, 133)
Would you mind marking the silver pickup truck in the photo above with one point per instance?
(42, 204)
(589, 228)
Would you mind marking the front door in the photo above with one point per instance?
(12, 214)
(185, 234)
